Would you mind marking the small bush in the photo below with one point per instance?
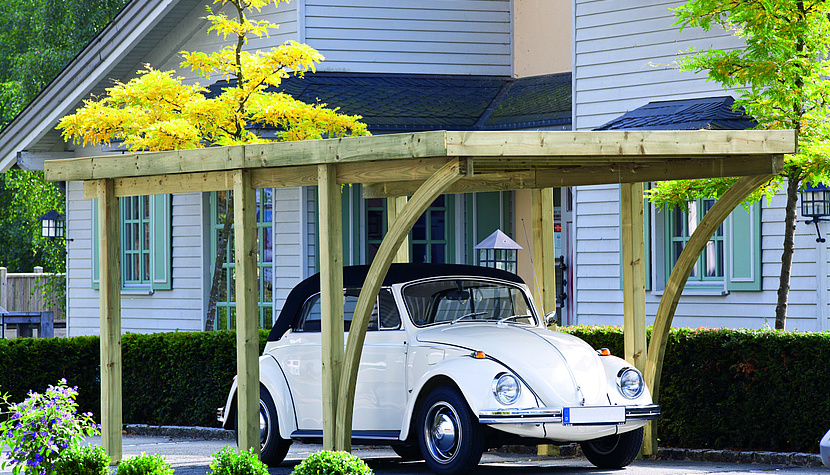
(228, 462)
(87, 460)
(144, 465)
(332, 463)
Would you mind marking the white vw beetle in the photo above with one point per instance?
(456, 360)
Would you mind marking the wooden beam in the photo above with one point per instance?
(632, 245)
(560, 177)
(247, 310)
(710, 222)
(413, 209)
(394, 207)
(677, 143)
(109, 268)
(331, 295)
(166, 184)
(544, 251)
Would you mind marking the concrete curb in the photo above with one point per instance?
(792, 459)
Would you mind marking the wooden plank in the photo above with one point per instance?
(633, 269)
(413, 209)
(394, 207)
(346, 149)
(710, 222)
(557, 177)
(109, 268)
(247, 310)
(331, 295)
(544, 253)
(688, 143)
(165, 184)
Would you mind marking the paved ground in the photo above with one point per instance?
(192, 457)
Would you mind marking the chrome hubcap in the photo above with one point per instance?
(264, 423)
(443, 432)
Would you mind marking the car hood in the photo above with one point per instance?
(561, 369)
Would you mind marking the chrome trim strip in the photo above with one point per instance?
(541, 415)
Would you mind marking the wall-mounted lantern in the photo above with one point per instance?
(499, 251)
(815, 203)
(53, 225)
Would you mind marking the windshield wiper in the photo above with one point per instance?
(512, 317)
(469, 315)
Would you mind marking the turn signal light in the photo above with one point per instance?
(604, 352)
(479, 355)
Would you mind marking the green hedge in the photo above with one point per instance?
(738, 389)
(725, 389)
(168, 378)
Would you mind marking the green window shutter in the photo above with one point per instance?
(162, 234)
(744, 249)
(161, 231)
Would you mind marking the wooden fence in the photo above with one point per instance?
(23, 292)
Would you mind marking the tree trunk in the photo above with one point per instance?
(793, 182)
(221, 251)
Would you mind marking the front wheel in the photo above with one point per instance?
(273, 448)
(614, 451)
(450, 438)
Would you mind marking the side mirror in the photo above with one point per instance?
(550, 318)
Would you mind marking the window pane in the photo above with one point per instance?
(419, 253)
(438, 255)
(437, 229)
(419, 231)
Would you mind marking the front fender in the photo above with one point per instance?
(474, 378)
(613, 365)
(273, 379)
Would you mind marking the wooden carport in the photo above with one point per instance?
(421, 166)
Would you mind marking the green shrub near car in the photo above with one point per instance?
(735, 389)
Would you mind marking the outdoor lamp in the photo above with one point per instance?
(815, 203)
(53, 225)
(499, 251)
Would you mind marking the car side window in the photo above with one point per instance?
(384, 314)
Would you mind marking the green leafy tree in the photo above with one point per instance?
(781, 76)
(156, 111)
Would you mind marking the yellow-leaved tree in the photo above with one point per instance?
(157, 111)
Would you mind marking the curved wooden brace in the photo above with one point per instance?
(716, 215)
(414, 208)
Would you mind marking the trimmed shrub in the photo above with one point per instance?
(144, 465)
(332, 463)
(86, 460)
(228, 462)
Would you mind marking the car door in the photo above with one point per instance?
(380, 395)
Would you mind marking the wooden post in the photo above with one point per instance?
(331, 295)
(3, 289)
(109, 267)
(247, 310)
(426, 194)
(710, 222)
(544, 250)
(634, 287)
(394, 206)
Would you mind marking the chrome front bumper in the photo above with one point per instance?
(541, 415)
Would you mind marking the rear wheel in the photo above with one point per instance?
(273, 448)
(614, 451)
(450, 438)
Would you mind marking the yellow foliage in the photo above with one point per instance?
(156, 111)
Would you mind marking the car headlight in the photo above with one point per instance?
(506, 388)
(630, 382)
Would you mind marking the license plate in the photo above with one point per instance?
(599, 415)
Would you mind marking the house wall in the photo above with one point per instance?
(542, 37)
(623, 54)
(140, 313)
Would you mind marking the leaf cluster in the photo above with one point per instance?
(157, 111)
(332, 463)
(781, 75)
(144, 465)
(228, 462)
(83, 460)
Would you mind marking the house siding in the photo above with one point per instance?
(399, 36)
(140, 313)
(623, 54)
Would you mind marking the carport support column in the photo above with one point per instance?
(632, 235)
(331, 296)
(109, 268)
(394, 207)
(247, 310)
(544, 251)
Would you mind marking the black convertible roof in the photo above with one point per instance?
(354, 276)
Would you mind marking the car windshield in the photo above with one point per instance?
(466, 300)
